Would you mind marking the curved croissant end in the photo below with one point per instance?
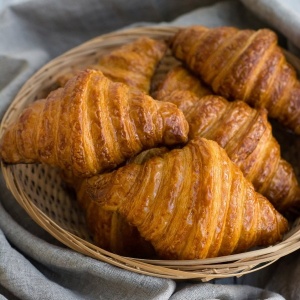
(108, 228)
(133, 64)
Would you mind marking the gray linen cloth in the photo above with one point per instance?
(33, 265)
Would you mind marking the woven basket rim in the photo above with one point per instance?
(204, 269)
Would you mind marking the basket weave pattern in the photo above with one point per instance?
(40, 191)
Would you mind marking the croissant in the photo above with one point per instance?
(243, 64)
(242, 131)
(91, 125)
(112, 232)
(133, 64)
(109, 229)
(179, 78)
(189, 203)
(147, 154)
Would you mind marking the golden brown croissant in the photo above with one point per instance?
(189, 203)
(243, 64)
(112, 232)
(246, 135)
(147, 154)
(133, 64)
(109, 229)
(90, 125)
(179, 78)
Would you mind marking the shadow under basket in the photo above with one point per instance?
(41, 192)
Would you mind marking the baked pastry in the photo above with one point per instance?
(179, 78)
(246, 65)
(112, 232)
(91, 125)
(189, 203)
(147, 154)
(109, 229)
(243, 132)
(133, 64)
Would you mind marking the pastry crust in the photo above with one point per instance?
(246, 65)
(189, 203)
(133, 64)
(244, 133)
(91, 125)
(179, 78)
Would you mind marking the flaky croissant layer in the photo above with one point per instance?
(133, 64)
(189, 203)
(179, 78)
(246, 135)
(91, 125)
(243, 64)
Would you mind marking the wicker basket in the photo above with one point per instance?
(39, 189)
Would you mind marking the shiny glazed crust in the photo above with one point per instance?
(243, 132)
(179, 78)
(246, 65)
(91, 125)
(189, 203)
(133, 64)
